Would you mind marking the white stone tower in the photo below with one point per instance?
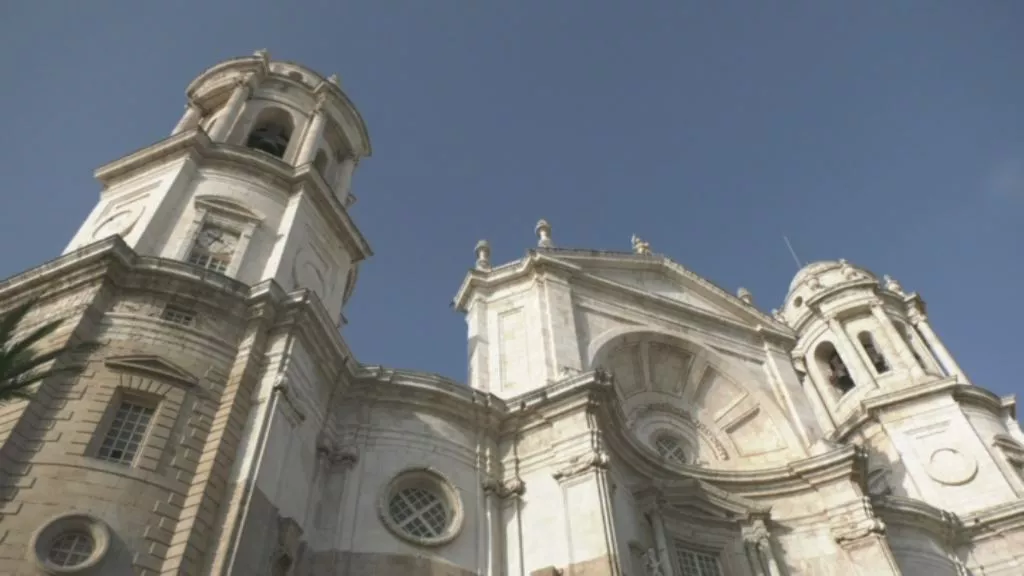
(878, 376)
(212, 275)
(254, 183)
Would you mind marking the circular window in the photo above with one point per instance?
(421, 506)
(71, 549)
(670, 448)
(70, 544)
(798, 301)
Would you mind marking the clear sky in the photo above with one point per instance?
(887, 133)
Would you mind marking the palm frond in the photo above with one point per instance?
(9, 321)
(32, 339)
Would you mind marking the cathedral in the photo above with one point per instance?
(622, 416)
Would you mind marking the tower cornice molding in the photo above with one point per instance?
(195, 144)
(873, 406)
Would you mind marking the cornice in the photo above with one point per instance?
(111, 260)
(541, 260)
(196, 144)
(814, 301)
(845, 461)
(304, 312)
(685, 490)
(897, 510)
(872, 406)
(426, 391)
(994, 521)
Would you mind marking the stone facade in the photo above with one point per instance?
(623, 416)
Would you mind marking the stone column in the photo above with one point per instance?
(859, 371)
(661, 541)
(920, 322)
(313, 133)
(759, 549)
(193, 114)
(897, 343)
(344, 178)
(233, 109)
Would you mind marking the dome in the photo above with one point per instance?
(829, 273)
(812, 269)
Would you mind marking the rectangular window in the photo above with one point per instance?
(126, 432)
(178, 315)
(214, 248)
(696, 563)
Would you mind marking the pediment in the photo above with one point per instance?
(154, 366)
(661, 278)
(227, 207)
(692, 498)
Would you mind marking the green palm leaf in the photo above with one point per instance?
(20, 363)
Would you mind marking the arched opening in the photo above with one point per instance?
(271, 132)
(320, 162)
(833, 367)
(874, 355)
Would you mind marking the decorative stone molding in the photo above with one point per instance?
(483, 255)
(335, 455)
(640, 247)
(289, 542)
(652, 564)
(436, 482)
(511, 488)
(857, 521)
(46, 536)
(951, 467)
(579, 465)
(153, 365)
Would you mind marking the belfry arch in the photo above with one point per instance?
(667, 385)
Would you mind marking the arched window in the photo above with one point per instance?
(833, 367)
(876, 358)
(670, 448)
(320, 162)
(271, 132)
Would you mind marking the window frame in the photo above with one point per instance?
(227, 214)
(680, 546)
(178, 315)
(670, 456)
(121, 397)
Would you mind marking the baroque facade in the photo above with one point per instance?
(623, 416)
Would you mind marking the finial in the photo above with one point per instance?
(745, 295)
(333, 79)
(849, 272)
(543, 230)
(483, 255)
(639, 246)
(891, 284)
(262, 54)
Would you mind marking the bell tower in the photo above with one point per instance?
(878, 376)
(254, 182)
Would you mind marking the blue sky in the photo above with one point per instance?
(887, 133)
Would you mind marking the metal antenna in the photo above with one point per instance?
(792, 252)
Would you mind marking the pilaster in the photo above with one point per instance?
(233, 109)
(901, 348)
(859, 371)
(920, 322)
